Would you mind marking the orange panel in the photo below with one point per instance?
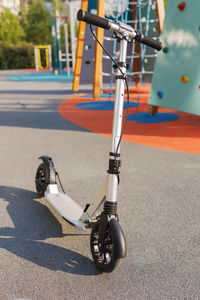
(79, 51)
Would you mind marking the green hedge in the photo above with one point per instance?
(16, 56)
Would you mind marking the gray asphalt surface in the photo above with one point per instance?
(43, 257)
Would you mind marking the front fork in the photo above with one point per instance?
(110, 205)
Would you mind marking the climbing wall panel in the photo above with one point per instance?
(87, 70)
(176, 80)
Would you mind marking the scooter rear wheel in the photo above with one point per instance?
(106, 257)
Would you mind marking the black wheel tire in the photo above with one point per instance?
(106, 258)
(42, 179)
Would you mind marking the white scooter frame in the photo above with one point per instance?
(70, 210)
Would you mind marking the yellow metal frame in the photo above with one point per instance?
(38, 50)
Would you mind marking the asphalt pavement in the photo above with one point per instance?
(42, 256)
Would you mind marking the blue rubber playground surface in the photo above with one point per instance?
(104, 95)
(102, 105)
(144, 117)
(42, 76)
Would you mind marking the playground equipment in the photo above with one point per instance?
(48, 60)
(176, 80)
(107, 239)
(144, 15)
(58, 56)
(61, 21)
(72, 10)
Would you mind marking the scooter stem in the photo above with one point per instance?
(119, 97)
(117, 118)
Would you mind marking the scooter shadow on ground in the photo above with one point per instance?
(33, 223)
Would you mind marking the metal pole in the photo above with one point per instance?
(55, 58)
(119, 99)
(36, 58)
(67, 49)
(50, 57)
(117, 120)
(98, 53)
(72, 31)
(59, 55)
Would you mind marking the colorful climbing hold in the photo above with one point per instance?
(165, 49)
(184, 78)
(160, 94)
(181, 6)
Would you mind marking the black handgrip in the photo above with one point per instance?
(149, 42)
(93, 19)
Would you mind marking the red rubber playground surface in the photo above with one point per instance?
(182, 134)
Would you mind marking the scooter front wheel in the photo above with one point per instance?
(107, 256)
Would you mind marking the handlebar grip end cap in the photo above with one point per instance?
(80, 15)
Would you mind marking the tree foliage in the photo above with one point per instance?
(10, 28)
(16, 56)
(38, 24)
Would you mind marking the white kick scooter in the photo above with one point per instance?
(107, 240)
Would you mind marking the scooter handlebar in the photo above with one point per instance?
(108, 24)
(93, 19)
(149, 42)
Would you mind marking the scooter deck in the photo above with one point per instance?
(64, 205)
